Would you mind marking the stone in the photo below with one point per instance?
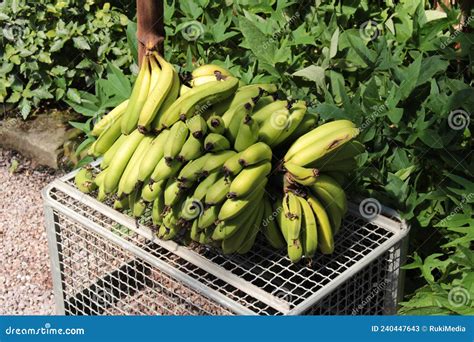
(40, 138)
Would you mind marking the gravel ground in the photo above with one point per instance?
(25, 278)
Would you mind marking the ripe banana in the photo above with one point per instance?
(248, 179)
(137, 98)
(255, 154)
(109, 118)
(203, 80)
(157, 95)
(247, 134)
(215, 142)
(120, 161)
(176, 139)
(325, 235)
(316, 135)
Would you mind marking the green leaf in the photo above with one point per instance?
(81, 43)
(334, 43)
(395, 114)
(313, 73)
(431, 138)
(132, 39)
(263, 47)
(73, 95)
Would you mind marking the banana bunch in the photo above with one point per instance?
(218, 163)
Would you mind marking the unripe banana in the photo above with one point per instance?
(108, 137)
(216, 161)
(307, 124)
(194, 233)
(99, 179)
(240, 113)
(255, 154)
(225, 229)
(325, 235)
(172, 192)
(151, 192)
(302, 175)
(263, 101)
(192, 149)
(218, 191)
(215, 124)
(157, 95)
(120, 161)
(316, 135)
(203, 187)
(197, 126)
(309, 230)
(121, 203)
(249, 239)
(298, 111)
(137, 98)
(232, 166)
(101, 195)
(233, 207)
(176, 139)
(295, 250)
(208, 217)
(334, 211)
(192, 209)
(157, 209)
(109, 118)
(194, 169)
(215, 142)
(164, 170)
(333, 188)
(347, 151)
(84, 180)
(292, 216)
(184, 89)
(273, 127)
(129, 178)
(239, 110)
(153, 156)
(266, 112)
(247, 134)
(248, 179)
(270, 228)
(139, 208)
(169, 100)
(155, 71)
(210, 70)
(109, 155)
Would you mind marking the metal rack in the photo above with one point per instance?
(105, 262)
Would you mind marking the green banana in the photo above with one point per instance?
(203, 187)
(129, 178)
(215, 124)
(273, 127)
(199, 99)
(325, 235)
(172, 192)
(215, 142)
(150, 192)
(255, 154)
(170, 99)
(240, 110)
(106, 140)
(194, 233)
(240, 113)
(307, 124)
(292, 216)
(262, 102)
(157, 209)
(302, 175)
(270, 228)
(137, 98)
(216, 161)
(309, 139)
(208, 217)
(248, 179)
(267, 111)
(157, 95)
(218, 191)
(194, 169)
(192, 149)
(84, 180)
(195, 82)
(192, 209)
(225, 229)
(197, 126)
(347, 151)
(121, 203)
(333, 188)
(139, 208)
(232, 166)
(295, 250)
(120, 160)
(309, 230)
(109, 155)
(247, 134)
(233, 207)
(153, 156)
(176, 139)
(298, 111)
(334, 211)
(254, 229)
(109, 118)
(164, 170)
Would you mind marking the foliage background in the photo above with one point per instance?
(401, 71)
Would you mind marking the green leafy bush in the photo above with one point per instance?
(49, 50)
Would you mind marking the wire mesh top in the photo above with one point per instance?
(282, 287)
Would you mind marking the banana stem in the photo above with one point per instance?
(150, 26)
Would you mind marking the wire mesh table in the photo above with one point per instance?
(107, 263)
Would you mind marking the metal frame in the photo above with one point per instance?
(388, 220)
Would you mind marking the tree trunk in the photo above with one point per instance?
(150, 26)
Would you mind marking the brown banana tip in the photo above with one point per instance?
(198, 134)
(142, 129)
(182, 117)
(231, 195)
(243, 163)
(247, 119)
(168, 161)
(215, 123)
(209, 146)
(248, 106)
